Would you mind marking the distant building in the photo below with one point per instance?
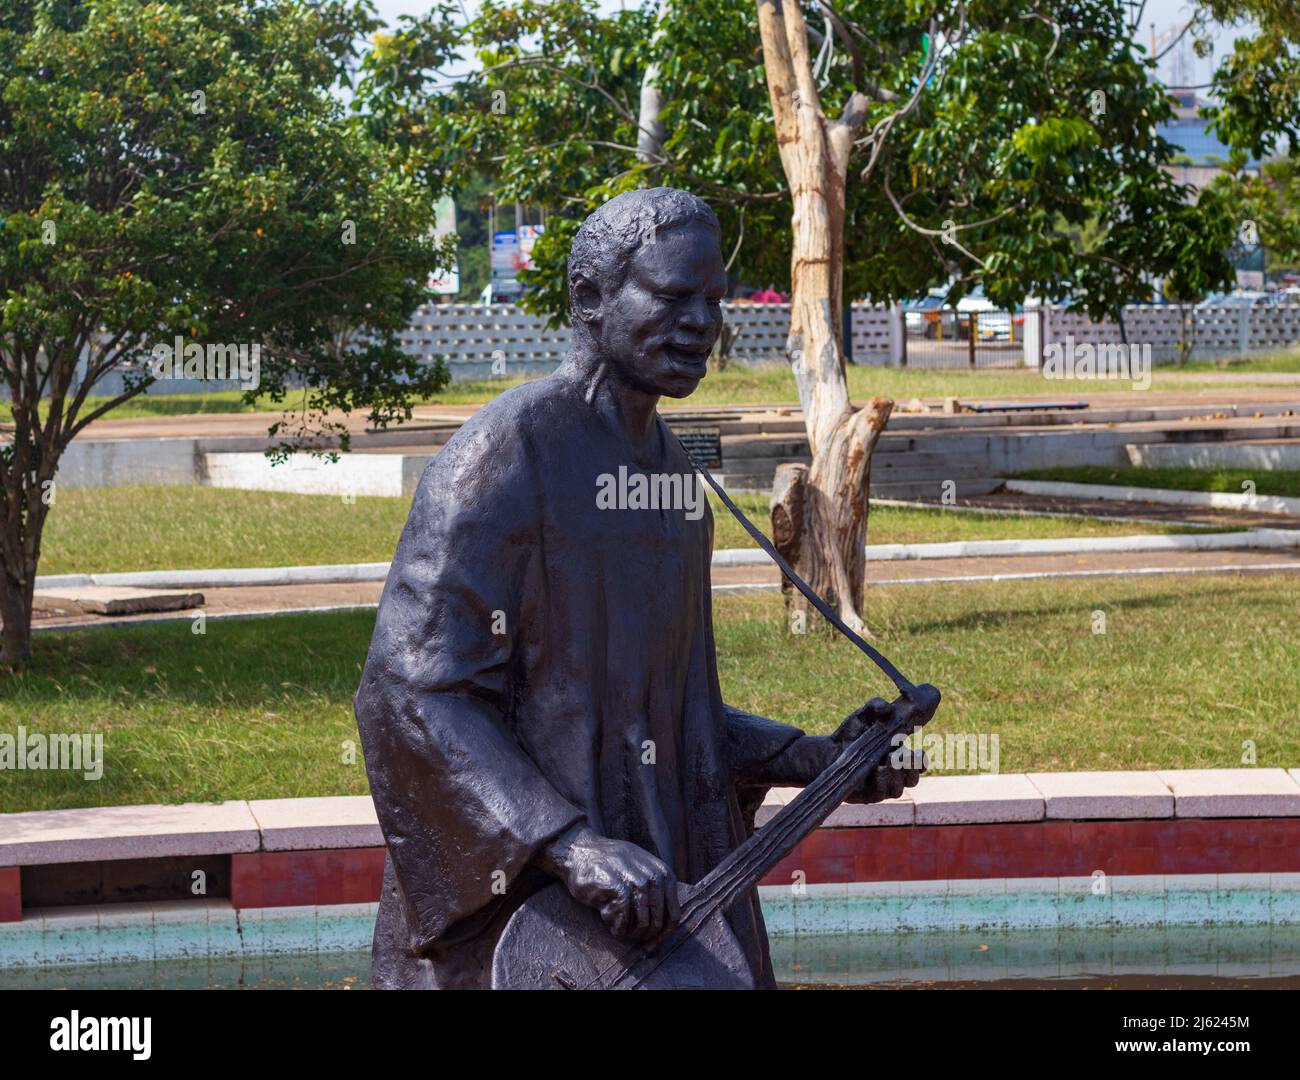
(1200, 157)
(1200, 153)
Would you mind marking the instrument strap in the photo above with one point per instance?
(827, 612)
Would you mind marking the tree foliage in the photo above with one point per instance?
(1256, 86)
(1006, 147)
(189, 169)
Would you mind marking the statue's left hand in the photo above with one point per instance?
(889, 780)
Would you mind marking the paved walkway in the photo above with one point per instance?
(249, 600)
(1249, 389)
(1250, 378)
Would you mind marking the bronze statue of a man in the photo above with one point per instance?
(540, 702)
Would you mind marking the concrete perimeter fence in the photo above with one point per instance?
(484, 341)
(480, 341)
(1206, 332)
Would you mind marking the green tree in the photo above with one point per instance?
(1266, 202)
(867, 147)
(1255, 91)
(188, 169)
(1041, 123)
(1255, 110)
(473, 202)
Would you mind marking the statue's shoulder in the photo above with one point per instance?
(503, 444)
(532, 408)
(525, 414)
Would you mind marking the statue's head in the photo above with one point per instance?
(646, 282)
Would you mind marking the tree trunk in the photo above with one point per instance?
(819, 516)
(20, 553)
(27, 469)
(650, 125)
(819, 511)
(16, 611)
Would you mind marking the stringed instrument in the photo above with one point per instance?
(552, 942)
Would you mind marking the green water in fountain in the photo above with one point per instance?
(1101, 957)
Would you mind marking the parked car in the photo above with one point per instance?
(920, 316)
(1246, 298)
(991, 322)
(932, 317)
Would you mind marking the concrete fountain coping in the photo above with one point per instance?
(1091, 796)
(102, 834)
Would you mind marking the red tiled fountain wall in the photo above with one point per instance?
(882, 853)
(904, 853)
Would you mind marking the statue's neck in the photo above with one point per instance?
(623, 406)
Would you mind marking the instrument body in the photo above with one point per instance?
(553, 942)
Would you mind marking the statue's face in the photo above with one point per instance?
(660, 325)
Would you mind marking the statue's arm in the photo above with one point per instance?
(764, 751)
(768, 753)
(464, 810)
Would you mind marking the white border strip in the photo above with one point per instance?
(1072, 545)
(1021, 512)
(325, 574)
(336, 573)
(1137, 571)
(1223, 500)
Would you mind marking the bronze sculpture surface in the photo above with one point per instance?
(547, 745)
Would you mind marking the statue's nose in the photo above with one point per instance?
(696, 315)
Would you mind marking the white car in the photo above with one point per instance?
(991, 321)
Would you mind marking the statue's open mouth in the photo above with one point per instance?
(692, 358)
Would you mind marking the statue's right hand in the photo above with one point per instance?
(635, 893)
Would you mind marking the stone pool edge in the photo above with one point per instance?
(214, 928)
(1011, 851)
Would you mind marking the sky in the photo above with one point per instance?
(1166, 14)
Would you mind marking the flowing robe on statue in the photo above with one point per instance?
(537, 662)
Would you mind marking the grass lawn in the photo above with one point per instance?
(1188, 670)
(774, 383)
(770, 384)
(100, 530)
(1267, 482)
(1265, 363)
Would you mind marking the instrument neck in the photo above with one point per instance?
(751, 861)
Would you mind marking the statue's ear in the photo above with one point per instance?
(584, 298)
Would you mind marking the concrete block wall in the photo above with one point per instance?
(350, 475)
(1217, 455)
(471, 336)
(1216, 330)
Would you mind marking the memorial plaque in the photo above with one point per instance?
(703, 445)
